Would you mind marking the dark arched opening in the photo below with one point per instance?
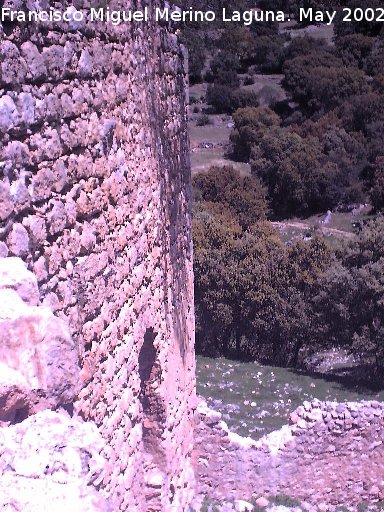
(150, 399)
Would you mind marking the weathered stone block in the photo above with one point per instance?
(18, 240)
(36, 68)
(13, 68)
(38, 356)
(49, 462)
(9, 116)
(6, 204)
(15, 276)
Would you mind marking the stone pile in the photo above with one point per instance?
(51, 462)
(338, 417)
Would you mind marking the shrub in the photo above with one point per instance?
(250, 125)
(249, 80)
(236, 40)
(305, 45)
(203, 120)
(244, 98)
(243, 195)
(354, 49)
(268, 53)
(221, 98)
(350, 303)
(251, 290)
(194, 42)
(299, 180)
(321, 81)
(268, 95)
(223, 69)
(377, 190)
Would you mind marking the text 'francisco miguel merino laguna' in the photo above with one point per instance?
(117, 17)
(175, 14)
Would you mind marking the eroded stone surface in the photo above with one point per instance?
(39, 362)
(15, 276)
(51, 462)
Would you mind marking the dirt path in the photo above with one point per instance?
(307, 227)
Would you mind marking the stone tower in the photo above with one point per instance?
(95, 197)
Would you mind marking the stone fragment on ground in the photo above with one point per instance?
(262, 502)
(243, 506)
(283, 508)
(51, 462)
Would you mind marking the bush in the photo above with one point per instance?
(268, 95)
(250, 125)
(249, 80)
(305, 45)
(203, 120)
(194, 42)
(251, 290)
(223, 69)
(374, 63)
(244, 98)
(377, 190)
(321, 81)
(299, 180)
(350, 302)
(244, 196)
(268, 53)
(221, 98)
(236, 40)
(354, 49)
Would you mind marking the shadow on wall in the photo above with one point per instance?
(150, 399)
(176, 198)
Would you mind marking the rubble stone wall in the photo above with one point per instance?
(331, 454)
(95, 198)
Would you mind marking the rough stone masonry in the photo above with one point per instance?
(95, 198)
(329, 458)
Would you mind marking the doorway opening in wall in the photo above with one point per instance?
(150, 398)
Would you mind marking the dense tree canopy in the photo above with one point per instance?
(250, 126)
(298, 177)
(350, 303)
(243, 196)
(317, 146)
(251, 289)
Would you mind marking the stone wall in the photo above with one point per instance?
(95, 198)
(331, 454)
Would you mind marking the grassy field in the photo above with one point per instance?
(202, 160)
(255, 399)
(316, 31)
(340, 224)
(209, 144)
(198, 91)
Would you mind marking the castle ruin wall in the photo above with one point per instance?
(95, 198)
(330, 455)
